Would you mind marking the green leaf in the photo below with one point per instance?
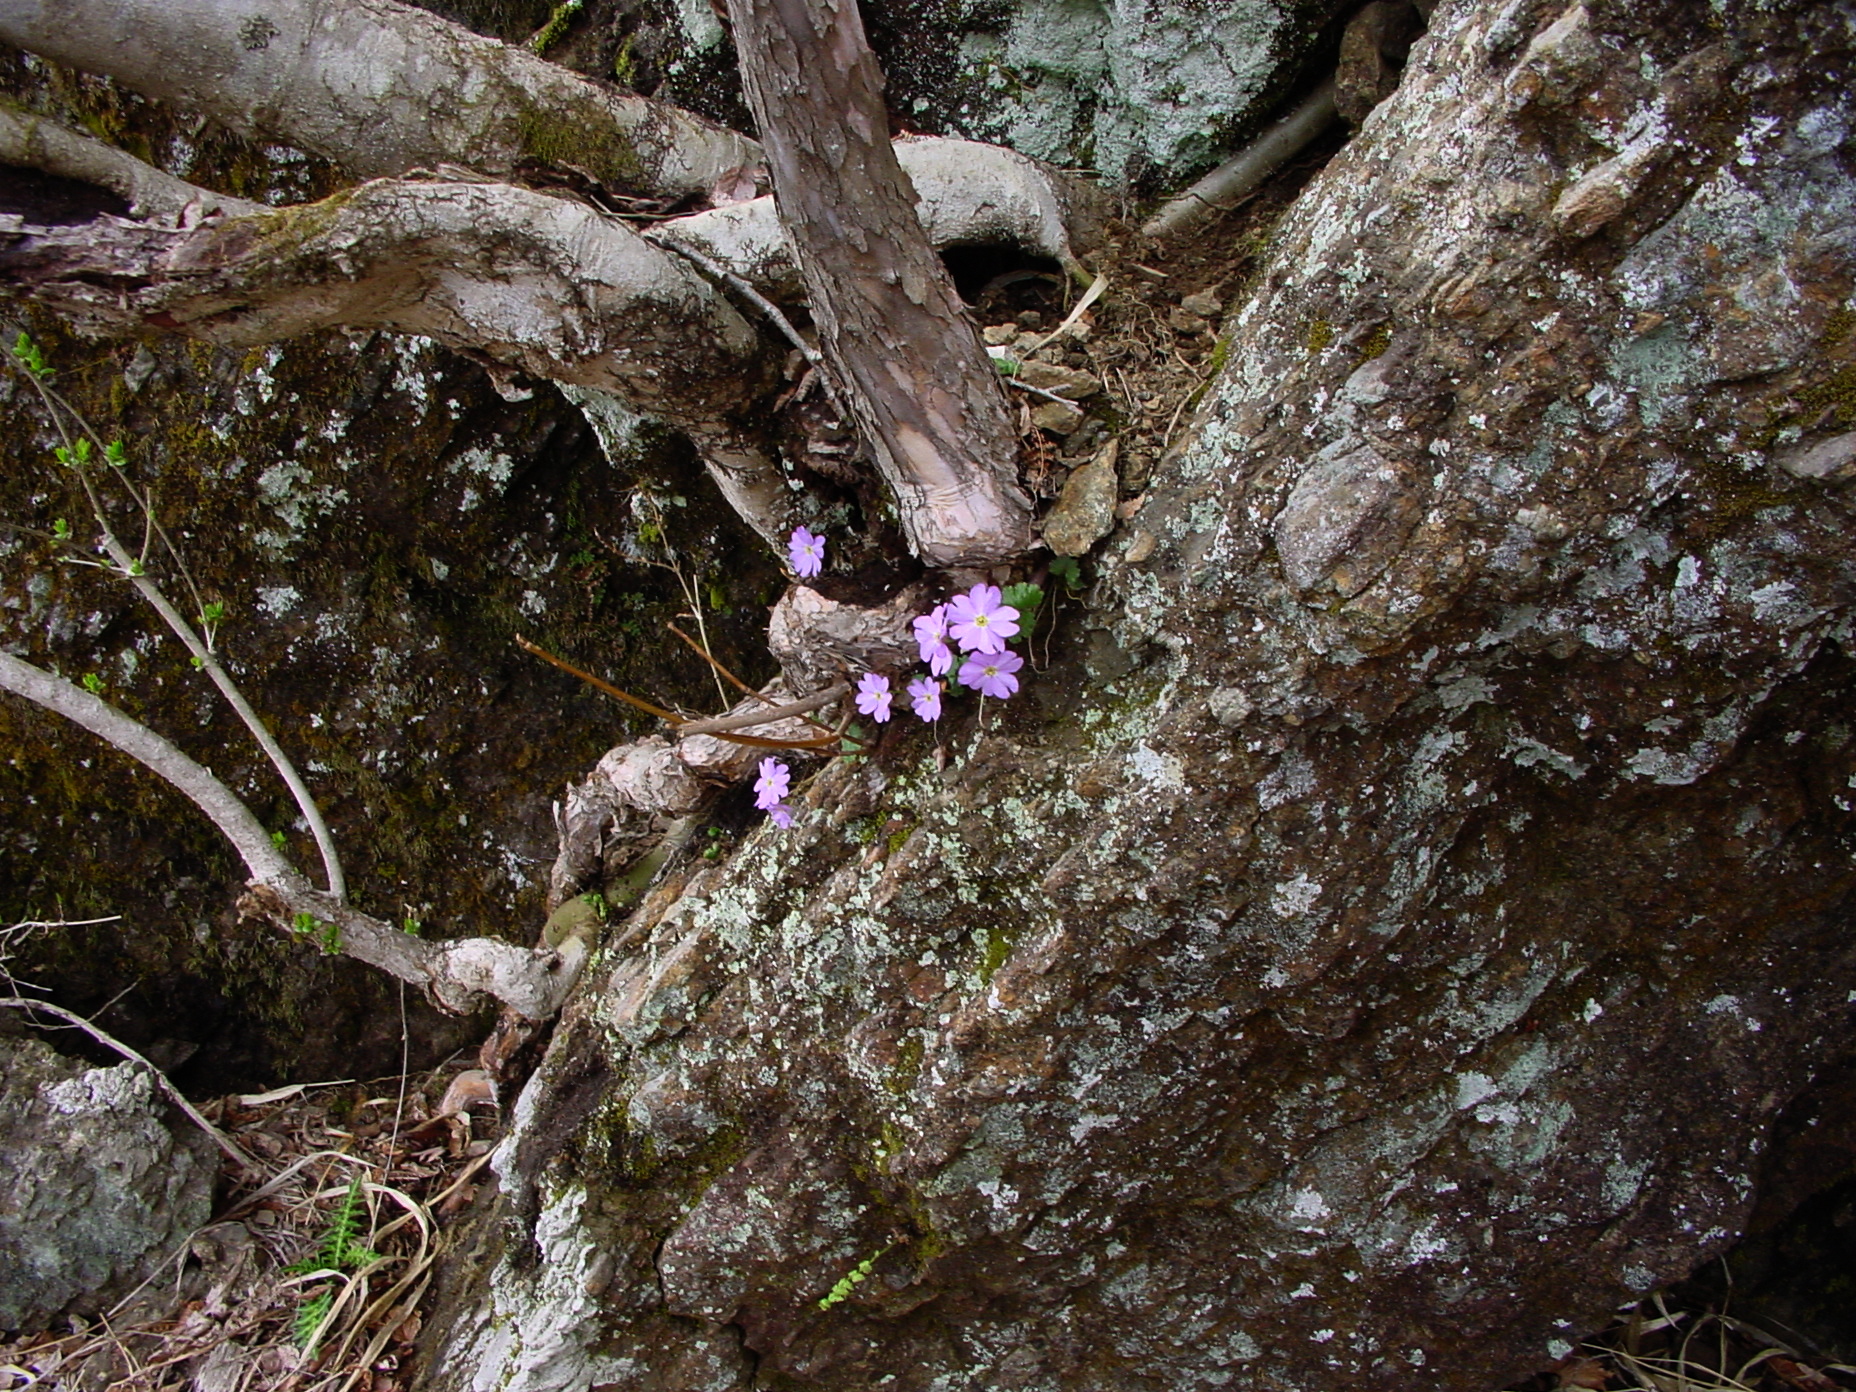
(93, 683)
(1069, 571)
(61, 529)
(135, 568)
(278, 839)
(213, 612)
(115, 453)
(412, 927)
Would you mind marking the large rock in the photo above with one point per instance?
(100, 1188)
(1382, 945)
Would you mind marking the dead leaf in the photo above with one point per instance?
(1582, 1372)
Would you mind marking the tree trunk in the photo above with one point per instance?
(926, 396)
(1384, 940)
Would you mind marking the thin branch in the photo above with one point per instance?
(202, 653)
(594, 681)
(725, 723)
(767, 307)
(219, 1137)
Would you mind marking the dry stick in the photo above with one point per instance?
(723, 724)
(676, 722)
(592, 680)
(1237, 176)
(702, 651)
(110, 1041)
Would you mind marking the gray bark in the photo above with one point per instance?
(923, 391)
(380, 88)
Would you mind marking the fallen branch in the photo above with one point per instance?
(529, 981)
(1220, 190)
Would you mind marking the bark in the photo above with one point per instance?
(380, 88)
(525, 280)
(457, 973)
(1384, 940)
(33, 142)
(925, 394)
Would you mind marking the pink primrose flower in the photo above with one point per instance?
(771, 787)
(925, 696)
(980, 620)
(931, 636)
(874, 696)
(806, 552)
(990, 674)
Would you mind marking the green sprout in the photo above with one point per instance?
(61, 530)
(1069, 570)
(115, 455)
(93, 683)
(851, 1278)
(29, 357)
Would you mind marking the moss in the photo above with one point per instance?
(555, 140)
(551, 33)
(1376, 342)
(1320, 335)
(907, 1069)
(1000, 941)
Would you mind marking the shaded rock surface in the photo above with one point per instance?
(99, 1190)
(1325, 973)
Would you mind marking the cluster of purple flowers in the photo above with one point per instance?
(969, 630)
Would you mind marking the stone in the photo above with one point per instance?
(1202, 303)
(998, 335)
(1058, 417)
(1069, 382)
(1349, 513)
(1834, 458)
(104, 1181)
(1085, 511)
(1184, 321)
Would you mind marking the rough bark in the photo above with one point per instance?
(380, 88)
(523, 279)
(925, 394)
(1381, 944)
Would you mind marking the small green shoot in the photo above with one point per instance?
(29, 357)
(1068, 570)
(212, 612)
(93, 683)
(61, 530)
(412, 927)
(115, 456)
(851, 1278)
(309, 1318)
(279, 840)
(339, 1251)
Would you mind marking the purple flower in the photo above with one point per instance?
(807, 553)
(925, 694)
(931, 635)
(980, 621)
(991, 673)
(771, 787)
(873, 696)
(780, 815)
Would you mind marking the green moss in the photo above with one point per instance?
(1376, 342)
(908, 1067)
(1320, 335)
(550, 138)
(550, 33)
(1000, 941)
